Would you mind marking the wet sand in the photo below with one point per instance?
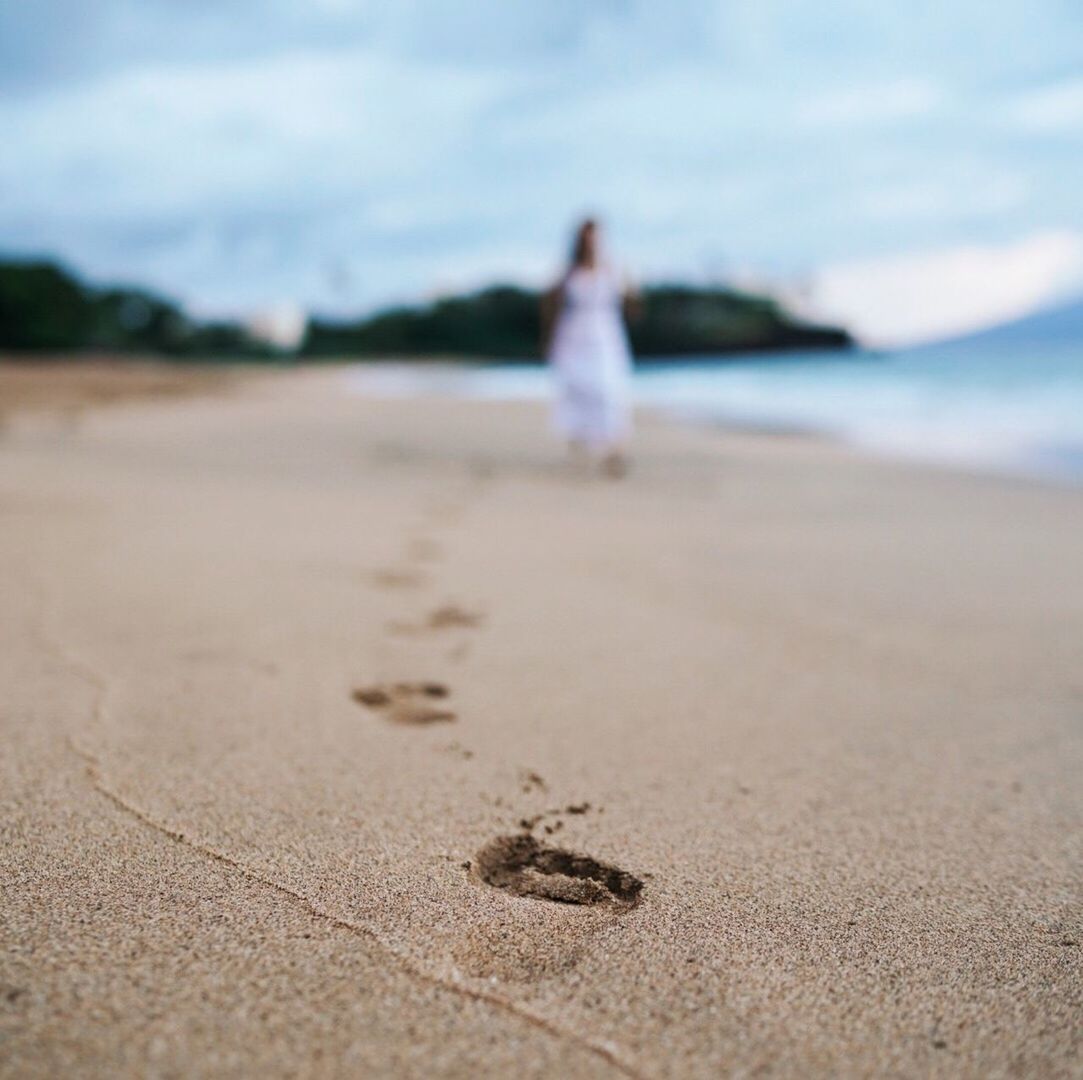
(64, 387)
(347, 737)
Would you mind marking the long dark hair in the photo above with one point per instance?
(579, 243)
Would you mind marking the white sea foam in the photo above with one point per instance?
(1016, 410)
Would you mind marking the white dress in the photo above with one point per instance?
(591, 360)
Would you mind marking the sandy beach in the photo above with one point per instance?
(319, 710)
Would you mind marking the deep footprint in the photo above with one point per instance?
(526, 867)
(407, 703)
(450, 615)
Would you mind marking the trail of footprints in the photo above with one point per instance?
(517, 863)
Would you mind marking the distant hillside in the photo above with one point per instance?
(503, 322)
(1059, 324)
(45, 308)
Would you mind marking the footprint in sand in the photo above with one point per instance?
(450, 615)
(392, 578)
(407, 703)
(446, 617)
(526, 867)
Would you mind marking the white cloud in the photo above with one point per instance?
(927, 295)
(1054, 108)
(195, 138)
(229, 152)
(969, 194)
(900, 99)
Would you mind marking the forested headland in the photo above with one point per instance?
(46, 309)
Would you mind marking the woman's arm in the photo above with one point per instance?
(550, 308)
(631, 300)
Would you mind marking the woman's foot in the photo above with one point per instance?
(615, 465)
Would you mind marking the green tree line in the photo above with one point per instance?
(504, 322)
(45, 308)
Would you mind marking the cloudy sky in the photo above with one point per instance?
(915, 168)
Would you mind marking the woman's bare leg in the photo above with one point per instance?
(615, 462)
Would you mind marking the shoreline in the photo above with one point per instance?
(67, 391)
(469, 381)
(66, 388)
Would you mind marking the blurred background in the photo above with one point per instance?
(338, 178)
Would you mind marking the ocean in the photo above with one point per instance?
(1011, 408)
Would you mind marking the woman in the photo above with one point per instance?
(587, 346)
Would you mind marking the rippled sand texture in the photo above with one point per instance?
(346, 737)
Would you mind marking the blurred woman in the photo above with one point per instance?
(587, 347)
